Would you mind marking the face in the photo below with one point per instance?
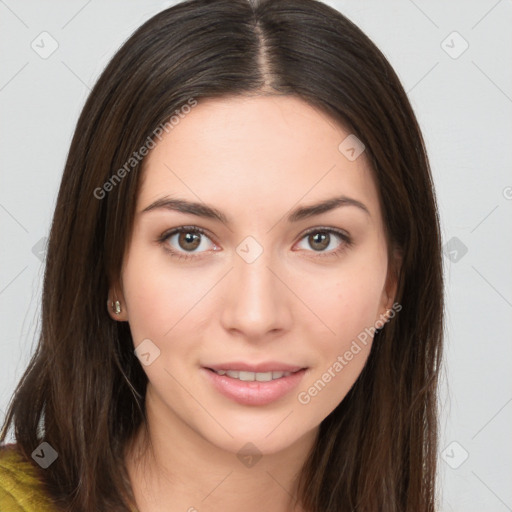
(253, 284)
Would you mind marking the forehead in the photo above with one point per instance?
(255, 153)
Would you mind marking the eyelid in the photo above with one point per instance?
(188, 229)
(340, 233)
(322, 229)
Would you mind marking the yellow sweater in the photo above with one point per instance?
(20, 488)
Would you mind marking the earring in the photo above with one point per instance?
(116, 307)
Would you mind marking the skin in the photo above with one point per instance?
(255, 159)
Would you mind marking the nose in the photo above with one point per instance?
(258, 303)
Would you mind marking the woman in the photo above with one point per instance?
(248, 189)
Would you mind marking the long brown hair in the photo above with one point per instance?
(84, 390)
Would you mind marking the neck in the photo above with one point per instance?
(173, 468)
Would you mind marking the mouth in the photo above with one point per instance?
(247, 376)
(250, 386)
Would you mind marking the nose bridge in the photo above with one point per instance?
(257, 302)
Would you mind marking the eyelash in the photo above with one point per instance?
(347, 241)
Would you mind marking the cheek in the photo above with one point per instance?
(144, 300)
(349, 301)
(355, 304)
(150, 294)
(349, 306)
(329, 384)
(340, 356)
(161, 299)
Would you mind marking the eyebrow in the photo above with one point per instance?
(209, 212)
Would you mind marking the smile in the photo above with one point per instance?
(253, 388)
(253, 376)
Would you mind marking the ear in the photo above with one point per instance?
(115, 294)
(391, 286)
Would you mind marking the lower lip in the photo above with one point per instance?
(254, 392)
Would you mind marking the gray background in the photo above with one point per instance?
(463, 100)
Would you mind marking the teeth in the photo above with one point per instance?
(253, 376)
(263, 377)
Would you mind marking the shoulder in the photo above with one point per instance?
(20, 488)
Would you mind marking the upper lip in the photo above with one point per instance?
(269, 366)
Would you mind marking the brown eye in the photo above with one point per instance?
(326, 241)
(319, 241)
(189, 241)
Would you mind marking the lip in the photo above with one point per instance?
(254, 392)
(269, 366)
